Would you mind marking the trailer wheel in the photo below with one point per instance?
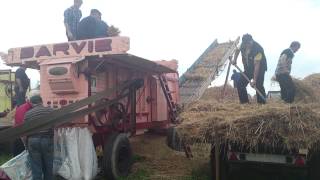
(222, 164)
(173, 140)
(117, 156)
(314, 166)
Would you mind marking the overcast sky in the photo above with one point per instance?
(177, 29)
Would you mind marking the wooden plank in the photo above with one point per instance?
(81, 48)
(58, 115)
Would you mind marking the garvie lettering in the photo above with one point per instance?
(99, 45)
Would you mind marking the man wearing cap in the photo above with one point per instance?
(283, 72)
(255, 66)
(40, 144)
(72, 16)
(92, 26)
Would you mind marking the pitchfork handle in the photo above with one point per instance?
(246, 77)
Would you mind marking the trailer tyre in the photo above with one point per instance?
(313, 166)
(117, 156)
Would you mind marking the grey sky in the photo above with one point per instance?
(177, 29)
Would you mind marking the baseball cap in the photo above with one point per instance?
(95, 11)
(246, 38)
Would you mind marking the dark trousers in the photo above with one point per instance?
(20, 97)
(18, 147)
(242, 88)
(41, 156)
(288, 89)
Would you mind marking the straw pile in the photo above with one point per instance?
(215, 94)
(113, 31)
(313, 81)
(198, 74)
(305, 92)
(275, 125)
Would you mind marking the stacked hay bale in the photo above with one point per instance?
(281, 125)
(289, 126)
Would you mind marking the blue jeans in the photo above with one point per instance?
(40, 149)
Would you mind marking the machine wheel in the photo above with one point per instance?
(222, 164)
(173, 140)
(117, 156)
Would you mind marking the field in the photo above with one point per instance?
(154, 160)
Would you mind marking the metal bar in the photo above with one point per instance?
(217, 158)
(133, 120)
(11, 90)
(226, 81)
(13, 133)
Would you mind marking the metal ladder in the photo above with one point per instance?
(167, 93)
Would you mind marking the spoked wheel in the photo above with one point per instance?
(117, 156)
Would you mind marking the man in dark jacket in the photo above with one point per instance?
(235, 78)
(255, 66)
(283, 71)
(22, 85)
(92, 26)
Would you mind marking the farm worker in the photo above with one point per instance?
(235, 77)
(21, 85)
(72, 17)
(255, 66)
(92, 26)
(283, 72)
(18, 146)
(40, 144)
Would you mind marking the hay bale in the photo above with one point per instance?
(305, 93)
(275, 125)
(313, 81)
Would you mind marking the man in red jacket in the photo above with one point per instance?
(18, 146)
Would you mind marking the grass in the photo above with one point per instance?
(200, 173)
(140, 174)
(4, 158)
